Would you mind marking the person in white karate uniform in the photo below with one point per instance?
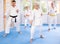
(52, 17)
(27, 13)
(12, 14)
(36, 20)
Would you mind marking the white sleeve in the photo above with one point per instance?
(18, 14)
(32, 15)
(41, 11)
(55, 10)
(25, 12)
(49, 9)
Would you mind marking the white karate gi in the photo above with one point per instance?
(12, 11)
(37, 21)
(52, 18)
(27, 12)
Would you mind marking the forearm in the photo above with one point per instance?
(31, 22)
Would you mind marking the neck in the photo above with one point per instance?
(27, 9)
(36, 9)
(13, 6)
(52, 8)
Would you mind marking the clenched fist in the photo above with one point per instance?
(31, 22)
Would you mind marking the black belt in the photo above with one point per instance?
(14, 17)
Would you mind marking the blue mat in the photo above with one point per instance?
(52, 37)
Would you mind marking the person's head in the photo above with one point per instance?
(36, 6)
(26, 7)
(13, 3)
(52, 5)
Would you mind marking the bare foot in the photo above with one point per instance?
(5, 35)
(25, 27)
(41, 36)
(20, 32)
(48, 29)
(31, 41)
(54, 28)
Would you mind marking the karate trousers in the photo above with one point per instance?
(8, 23)
(37, 23)
(52, 20)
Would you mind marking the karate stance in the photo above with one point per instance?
(27, 13)
(52, 17)
(12, 15)
(36, 20)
